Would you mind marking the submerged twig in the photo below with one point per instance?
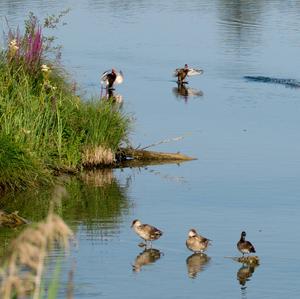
(70, 286)
(163, 141)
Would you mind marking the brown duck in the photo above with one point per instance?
(146, 231)
(182, 73)
(196, 242)
(245, 246)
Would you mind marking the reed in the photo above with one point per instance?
(22, 272)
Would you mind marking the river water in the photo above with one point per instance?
(245, 134)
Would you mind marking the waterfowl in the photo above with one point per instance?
(111, 78)
(245, 246)
(146, 231)
(182, 73)
(196, 242)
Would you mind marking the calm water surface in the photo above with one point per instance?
(244, 134)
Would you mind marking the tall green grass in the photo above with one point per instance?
(44, 124)
(19, 168)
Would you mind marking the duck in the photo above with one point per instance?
(111, 77)
(196, 242)
(182, 73)
(245, 246)
(146, 231)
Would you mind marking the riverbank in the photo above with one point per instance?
(44, 125)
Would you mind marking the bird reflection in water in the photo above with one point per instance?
(196, 263)
(184, 92)
(148, 256)
(113, 96)
(243, 275)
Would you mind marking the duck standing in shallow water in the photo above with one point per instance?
(111, 78)
(182, 73)
(196, 242)
(146, 231)
(245, 246)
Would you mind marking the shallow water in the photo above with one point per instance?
(245, 135)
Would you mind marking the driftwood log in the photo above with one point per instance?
(130, 157)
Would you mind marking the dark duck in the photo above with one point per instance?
(111, 78)
(244, 246)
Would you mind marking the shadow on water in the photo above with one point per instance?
(95, 201)
(243, 276)
(197, 263)
(292, 83)
(184, 92)
(146, 257)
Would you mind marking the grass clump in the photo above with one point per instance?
(18, 167)
(44, 125)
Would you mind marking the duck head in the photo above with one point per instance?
(136, 223)
(192, 233)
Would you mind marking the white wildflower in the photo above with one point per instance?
(13, 45)
(45, 68)
(13, 42)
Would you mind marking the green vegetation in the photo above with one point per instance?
(44, 125)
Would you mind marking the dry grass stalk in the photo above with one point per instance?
(23, 269)
(97, 155)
